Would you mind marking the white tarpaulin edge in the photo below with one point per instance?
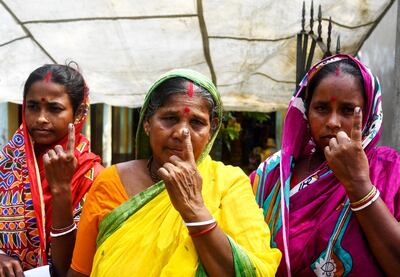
(247, 46)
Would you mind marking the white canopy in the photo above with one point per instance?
(122, 46)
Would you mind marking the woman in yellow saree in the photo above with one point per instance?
(174, 211)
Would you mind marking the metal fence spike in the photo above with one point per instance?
(312, 17)
(319, 23)
(338, 45)
(303, 17)
(328, 40)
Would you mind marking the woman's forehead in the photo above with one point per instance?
(334, 83)
(183, 100)
(46, 89)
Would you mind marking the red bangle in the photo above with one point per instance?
(205, 231)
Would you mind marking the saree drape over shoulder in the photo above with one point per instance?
(25, 197)
(145, 235)
(312, 223)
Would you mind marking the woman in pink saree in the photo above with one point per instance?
(331, 197)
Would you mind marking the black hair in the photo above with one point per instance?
(345, 66)
(65, 75)
(179, 85)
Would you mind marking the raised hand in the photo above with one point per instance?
(10, 266)
(183, 183)
(346, 157)
(60, 164)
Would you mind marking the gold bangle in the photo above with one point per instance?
(368, 203)
(365, 198)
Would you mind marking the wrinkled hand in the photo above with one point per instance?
(10, 267)
(59, 165)
(183, 182)
(346, 156)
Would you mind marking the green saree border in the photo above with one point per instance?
(117, 217)
(241, 262)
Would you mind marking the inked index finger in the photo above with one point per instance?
(188, 145)
(356, 131)
(71, 139)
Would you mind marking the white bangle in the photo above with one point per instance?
(199, 223)
(56, 235)
(2, 252)
(368, 203)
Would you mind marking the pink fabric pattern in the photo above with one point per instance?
(315, 228)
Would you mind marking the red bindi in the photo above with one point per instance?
(337, 71)
(186, 110)
(190, 89)
(333, 99)
(42, 99)
(48, 76)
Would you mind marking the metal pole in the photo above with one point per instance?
(107, 135)
(395, 131)
(3, 123)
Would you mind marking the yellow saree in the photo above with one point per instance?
(145, 235)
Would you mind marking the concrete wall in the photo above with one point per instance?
(378, 53)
